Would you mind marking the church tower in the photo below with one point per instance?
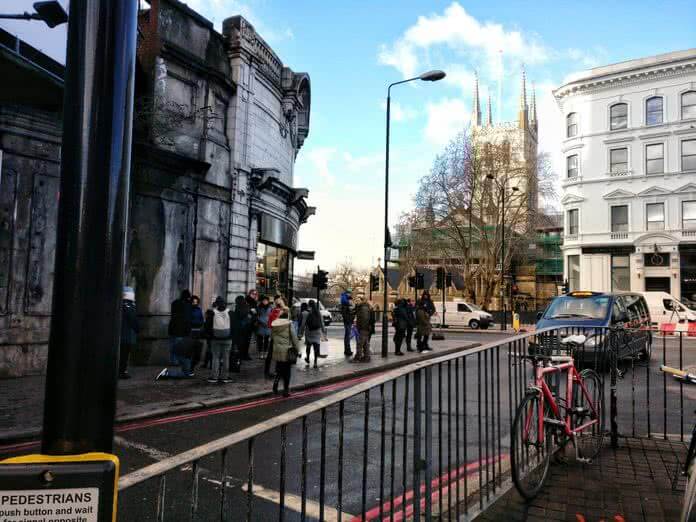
(523, 114)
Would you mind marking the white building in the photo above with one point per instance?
(629, 189)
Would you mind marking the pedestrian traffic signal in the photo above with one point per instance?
(440, 278)
(448, 280)
(374, 283)
(564, 287)
(322, 281)
(420, 281)
(412, 282)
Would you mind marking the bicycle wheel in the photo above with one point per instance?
(688, 513)
(589, 441)
(529, 457)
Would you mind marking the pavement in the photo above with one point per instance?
(21, 403)
(630, 484)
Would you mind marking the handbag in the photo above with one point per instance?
(324, 348)
(293, 354)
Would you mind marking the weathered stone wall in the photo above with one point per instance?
(29, 179)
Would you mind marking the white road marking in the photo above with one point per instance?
(294, 502)
(151, 452)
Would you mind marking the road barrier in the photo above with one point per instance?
(429, 438)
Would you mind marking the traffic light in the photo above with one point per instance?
(412, 282)
(448, 280)
(374, 283)
(564, 288)
(420, 281)
(322, 280)
(440, 278)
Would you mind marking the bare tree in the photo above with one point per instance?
(346, 275)
(459, 208)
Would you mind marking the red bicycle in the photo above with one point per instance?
(547, 420)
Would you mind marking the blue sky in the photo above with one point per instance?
(354, 49)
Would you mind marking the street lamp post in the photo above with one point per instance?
(430, 76)
(51, 13)
(503, 189)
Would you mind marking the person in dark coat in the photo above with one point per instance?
(239, 325)
(179, 322)
(348, 314)
(197, 319)
(423, 328)
(129, 331)
(411, 314)
(400, 324)
(427, 303)
(364, 324)
(252, 304)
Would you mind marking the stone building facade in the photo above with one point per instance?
(219, 121)
(629, 190)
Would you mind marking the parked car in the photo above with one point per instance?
(591, 313)
(667, 309)
(461, 313)
(325, 314)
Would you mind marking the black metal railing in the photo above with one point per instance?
(426, 439)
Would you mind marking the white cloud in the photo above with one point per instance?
(446, 119)
(319, 158)
(218, 10)
(400, 113)
(458, 30)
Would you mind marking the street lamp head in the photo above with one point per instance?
(51, 12)
(515, 189)
(490, 176)
(432, 76)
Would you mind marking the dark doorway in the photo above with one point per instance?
(657, 284)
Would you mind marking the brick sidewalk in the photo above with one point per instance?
(21, 400)
(631, 484)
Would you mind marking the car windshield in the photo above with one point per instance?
(475, 308)
(569, 307)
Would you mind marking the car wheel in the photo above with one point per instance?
(474, 324)
(646, 352)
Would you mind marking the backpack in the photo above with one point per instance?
(313, 321)
(221, 320)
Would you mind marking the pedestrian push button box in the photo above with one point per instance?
(46, 488)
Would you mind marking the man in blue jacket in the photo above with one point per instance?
(347, 311)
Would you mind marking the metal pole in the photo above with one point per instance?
(318, 285)
(385, 322)
(85, 333)
(503, 324)
(444, 287)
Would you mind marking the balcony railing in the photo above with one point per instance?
(688, 233)
(619, 235)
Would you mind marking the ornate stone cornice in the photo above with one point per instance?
(625, 79)
(241, 36)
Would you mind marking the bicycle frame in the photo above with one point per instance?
(573, 376)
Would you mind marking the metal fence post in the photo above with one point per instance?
(613, 361)
(417, 460)
(429, 442)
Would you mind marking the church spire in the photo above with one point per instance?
(533, 109)
(522, 119)
(489, 114)
(476, 109)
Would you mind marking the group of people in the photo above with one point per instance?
(407, 316)
(219, 339)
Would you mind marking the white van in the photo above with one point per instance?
(666, 309)
(461, 313)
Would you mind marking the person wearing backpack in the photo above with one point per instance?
(313, 329)
(285, 350)
(218, 327)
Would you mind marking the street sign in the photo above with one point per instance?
(42, 488)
